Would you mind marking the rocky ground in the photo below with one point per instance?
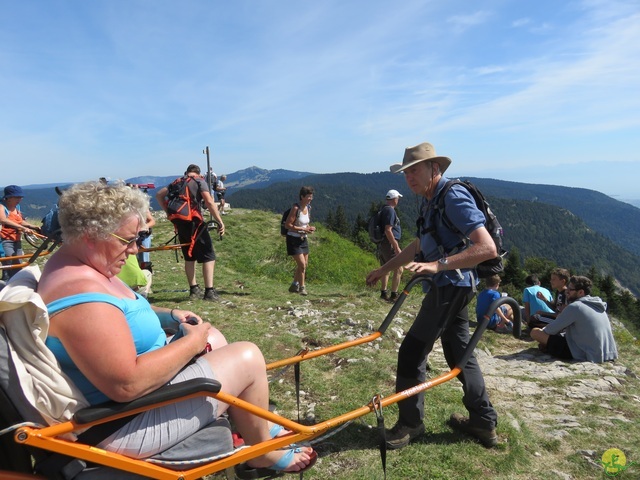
(571, 406)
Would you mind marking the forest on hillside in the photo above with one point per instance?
(576, 228)
(535, 229)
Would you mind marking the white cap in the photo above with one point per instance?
(391, 194)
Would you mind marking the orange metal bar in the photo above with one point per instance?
(45, 438)
(163, 247)
(308, 355)
(47, 252)
(22, 257)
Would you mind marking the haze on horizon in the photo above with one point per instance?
(534, 92)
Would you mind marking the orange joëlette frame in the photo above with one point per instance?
(41, 252)
(45, 438)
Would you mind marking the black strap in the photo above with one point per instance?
(296, 374)
(97, 433)
(377, 408)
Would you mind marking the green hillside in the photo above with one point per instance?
(252, 276)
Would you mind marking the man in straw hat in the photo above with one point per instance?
(438, 251)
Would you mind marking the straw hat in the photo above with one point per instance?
(420, 153)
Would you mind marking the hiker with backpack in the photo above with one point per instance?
(440, 251)
(298, 227)
(220, 190)
(181, 201)
(13, 225)
(389, 246)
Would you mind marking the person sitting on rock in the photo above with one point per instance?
(559, 282)
(500, 321)
(587, 335)
(533, 305)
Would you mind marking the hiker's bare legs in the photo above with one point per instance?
(240, 368)
(207, 273)
(384, 281)
(190, 272)
(301, 260)
(395, 281)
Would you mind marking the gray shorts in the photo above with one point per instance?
(156, 430)
(385, 252)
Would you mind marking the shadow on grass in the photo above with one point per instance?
(359, 436)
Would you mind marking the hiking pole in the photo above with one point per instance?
(209, 178)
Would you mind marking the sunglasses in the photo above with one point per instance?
(124, 241)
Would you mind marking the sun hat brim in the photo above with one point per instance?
(423, 152)
(444, 163)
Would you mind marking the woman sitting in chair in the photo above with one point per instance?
(110, 340)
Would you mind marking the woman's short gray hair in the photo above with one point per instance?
(96, 209)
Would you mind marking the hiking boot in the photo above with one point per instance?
(294, 288)
(384, 295)
(487, 437)
(394, 296)
(303, 291)
(211, 295)
(400, 435)
(195, 292)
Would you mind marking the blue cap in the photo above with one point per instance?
(13, 191)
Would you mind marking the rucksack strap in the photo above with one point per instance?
(438, 216)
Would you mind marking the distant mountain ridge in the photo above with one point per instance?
(537, 214)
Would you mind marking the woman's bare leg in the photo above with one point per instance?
(240, 368)
(301, 266)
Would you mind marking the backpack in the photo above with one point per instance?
(285, 215)
(375, 227)
(51, 225)
(180, 204)
(489, 267)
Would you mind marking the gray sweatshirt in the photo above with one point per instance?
(588, 330)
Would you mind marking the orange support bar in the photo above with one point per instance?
(46, 438)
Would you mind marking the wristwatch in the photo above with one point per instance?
(443, 261)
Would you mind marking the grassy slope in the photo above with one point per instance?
(253, 274)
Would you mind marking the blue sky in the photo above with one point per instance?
(537, 92)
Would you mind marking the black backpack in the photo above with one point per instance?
(180, 205)
(375, 227)
(489, 267)
(376, 233)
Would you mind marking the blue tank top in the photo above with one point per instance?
(144, 324)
